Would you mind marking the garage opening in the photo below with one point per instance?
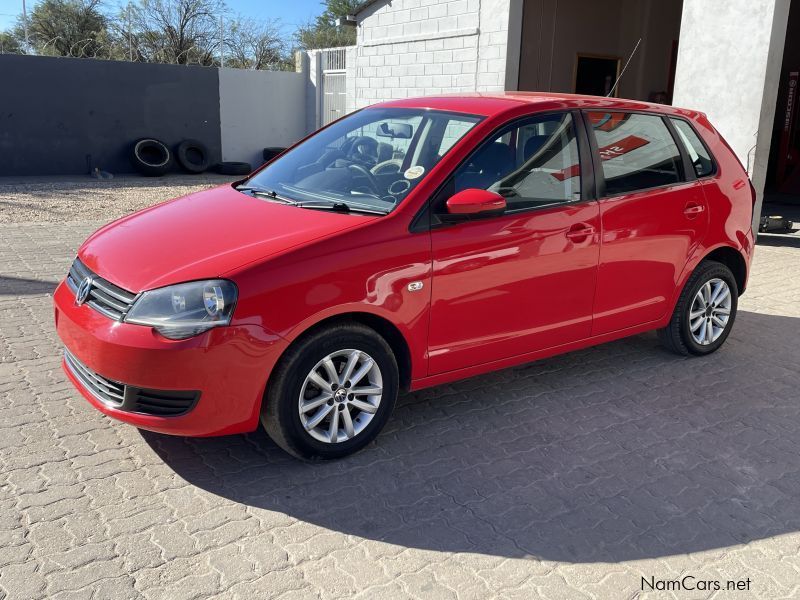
(781, 209)
(577, 46)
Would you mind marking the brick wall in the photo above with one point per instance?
(423, 47)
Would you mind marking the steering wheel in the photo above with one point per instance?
(363, 149)
(373, 182)
(391, 166)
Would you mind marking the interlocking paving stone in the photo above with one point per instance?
(572, 477)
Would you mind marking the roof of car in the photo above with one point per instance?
(492, 103)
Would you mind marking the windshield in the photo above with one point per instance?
(370, 160)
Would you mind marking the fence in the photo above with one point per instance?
(334, 84)
(331, 84)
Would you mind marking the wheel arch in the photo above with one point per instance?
(733, 259)
(728, 255)
(382, 326)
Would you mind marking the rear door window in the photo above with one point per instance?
(637, 151)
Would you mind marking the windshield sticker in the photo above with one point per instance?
(414, 172)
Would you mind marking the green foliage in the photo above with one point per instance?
(65, 28)
(9, 44)
(323, 32)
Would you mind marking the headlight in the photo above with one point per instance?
(181, 311)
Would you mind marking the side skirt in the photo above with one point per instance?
(521, 359)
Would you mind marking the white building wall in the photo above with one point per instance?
(422, 47)
(311, 67)
(729, 63)
(350, 61)
(259, 109)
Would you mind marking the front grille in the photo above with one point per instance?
(107, 391)
(129, 398)
(105, 297)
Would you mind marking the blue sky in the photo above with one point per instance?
(289, 12)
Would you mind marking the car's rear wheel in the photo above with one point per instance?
(331, 393)
(705, 311)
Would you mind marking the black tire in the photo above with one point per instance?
(271, 152)
(233, 168)
(280, 410)
(151, 157)
(192, 155)
(677, 336)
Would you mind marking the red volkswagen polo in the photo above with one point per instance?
(409, 244)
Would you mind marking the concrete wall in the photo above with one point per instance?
(554, 32)
(352, 73)
(311, 66)
(56, 111)
(729, 65)
(423, 47)
(258, 109)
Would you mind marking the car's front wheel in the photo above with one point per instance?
(705, 311)
(331, 393)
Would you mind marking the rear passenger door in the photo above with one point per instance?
(653, 214)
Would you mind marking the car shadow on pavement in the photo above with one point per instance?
(614, 453)
(22, 286)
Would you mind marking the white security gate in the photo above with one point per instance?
(334, 84)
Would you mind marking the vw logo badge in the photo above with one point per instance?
(83, 291)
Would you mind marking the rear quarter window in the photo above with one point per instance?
(698, 153)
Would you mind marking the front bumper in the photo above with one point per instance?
(227, 367)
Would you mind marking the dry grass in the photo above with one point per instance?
(39, 199)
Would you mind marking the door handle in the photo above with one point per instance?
(692, 210)
(580, 232)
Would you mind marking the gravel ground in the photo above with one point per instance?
(51, 199)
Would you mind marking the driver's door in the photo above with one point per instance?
(522, 281)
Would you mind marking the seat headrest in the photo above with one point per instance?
(533, 145)
(494, 159)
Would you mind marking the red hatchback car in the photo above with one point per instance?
(409, 244)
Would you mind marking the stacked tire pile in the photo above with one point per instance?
(153, 158)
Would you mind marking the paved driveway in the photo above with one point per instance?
(573, 477)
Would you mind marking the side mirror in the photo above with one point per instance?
(474, 203)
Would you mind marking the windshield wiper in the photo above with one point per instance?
(332, 206)
(265, 193)
(341, 207)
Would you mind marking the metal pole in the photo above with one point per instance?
(221, 42)
(130, 40)
(25, 23)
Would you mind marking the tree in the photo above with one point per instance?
(323, 32)
(250, 45)
(65, 28)
(173, 31)
(162, 31)
(9, 44)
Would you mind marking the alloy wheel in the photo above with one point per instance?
(710, 311)
(340, 396)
